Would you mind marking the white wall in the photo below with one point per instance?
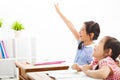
(42, 22)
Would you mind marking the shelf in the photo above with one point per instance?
(18, 49)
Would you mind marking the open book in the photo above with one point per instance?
(65, 75)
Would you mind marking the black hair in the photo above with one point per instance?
(114, 44)
(97, 67)
(91, 27)
(80, 45)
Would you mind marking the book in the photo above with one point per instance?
(49, 62)
(0, 55)
(4, 49)
(1, 50)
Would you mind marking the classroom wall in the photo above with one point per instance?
(42, 22)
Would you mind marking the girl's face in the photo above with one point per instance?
(83, 34)
(99, 51)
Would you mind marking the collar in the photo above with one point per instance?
(91, 45)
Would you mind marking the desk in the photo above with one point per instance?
(24, 67)
(59, 75)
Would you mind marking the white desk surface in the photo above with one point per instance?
(65, 75)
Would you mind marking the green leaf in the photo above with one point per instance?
(1, 23)
(17, 26)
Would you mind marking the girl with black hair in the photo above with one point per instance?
(89, 31)
(106, 53)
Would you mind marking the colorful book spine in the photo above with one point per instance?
(0, 55)
(4, 49)
(2, 52)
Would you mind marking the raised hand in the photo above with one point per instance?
(57, 7)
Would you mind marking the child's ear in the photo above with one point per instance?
(91, 35)
(108, 52)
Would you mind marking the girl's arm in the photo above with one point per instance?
(79, 67)
(68, 23)
(101, 73)
(76, 67)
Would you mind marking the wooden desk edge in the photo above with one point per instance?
(40, 68)
(47, 68)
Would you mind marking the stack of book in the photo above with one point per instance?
(3, 53)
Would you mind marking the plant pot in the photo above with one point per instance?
(17, 33)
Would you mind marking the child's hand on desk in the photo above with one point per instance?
(76, 67)
(85, 68)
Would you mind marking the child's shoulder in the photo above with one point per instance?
(107, 60)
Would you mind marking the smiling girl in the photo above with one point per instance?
(106, 53)
(89, 31)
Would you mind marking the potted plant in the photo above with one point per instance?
(1, 23)
(17, 27)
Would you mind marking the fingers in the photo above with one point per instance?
(56, 4)
(75, 67)
(57, 7)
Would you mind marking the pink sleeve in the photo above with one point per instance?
(107, 62)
